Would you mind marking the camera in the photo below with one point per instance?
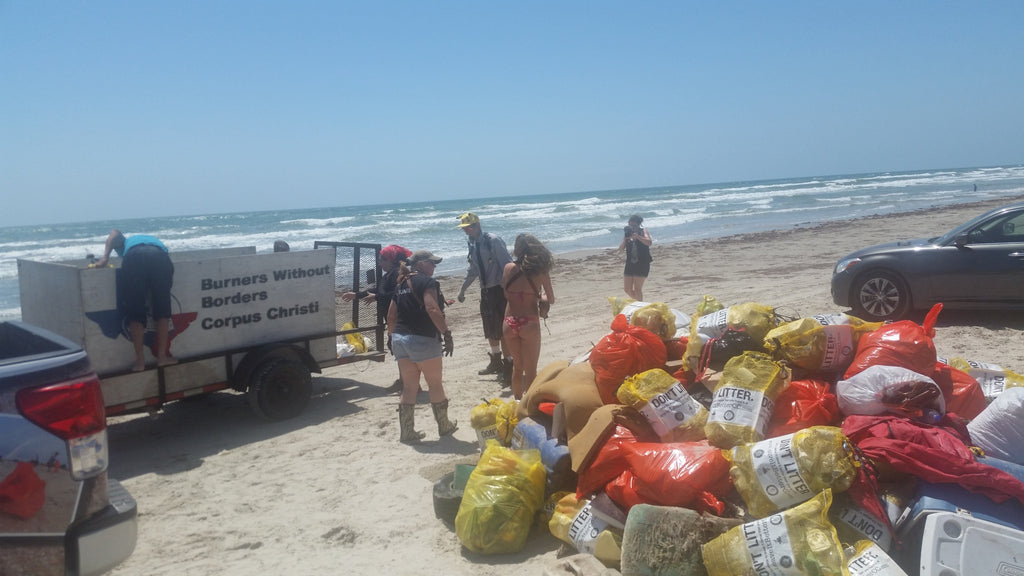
(628, 231)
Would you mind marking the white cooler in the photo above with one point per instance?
(961, 545)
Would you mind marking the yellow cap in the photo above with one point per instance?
(468, 219)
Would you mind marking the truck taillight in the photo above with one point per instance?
(72, 411)
(68, 410)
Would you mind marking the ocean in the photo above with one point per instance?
(564, 222)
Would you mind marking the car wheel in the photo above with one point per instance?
(880, 295)
(280, 388)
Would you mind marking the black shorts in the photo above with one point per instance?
(147, 271)
(641, 269)
(492, 311)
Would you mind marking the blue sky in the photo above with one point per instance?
(118, 109)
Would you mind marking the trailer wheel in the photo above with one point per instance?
(280, 388)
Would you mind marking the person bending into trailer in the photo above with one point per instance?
(146, 270)
(419, 338)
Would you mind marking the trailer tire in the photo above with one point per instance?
(280, 388)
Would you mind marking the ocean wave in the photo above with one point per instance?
(566, 222)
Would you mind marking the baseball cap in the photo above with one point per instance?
(468, 219)
(394, 253)
(423, 255)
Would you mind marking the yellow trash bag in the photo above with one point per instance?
(777, 473)
(753, 318)
(673, 414)
(707, 305)
(826, 343)
(993, 378)
(745, 399)
(494, 419)
(355, 339)
(619, 303)
(800, 540)
(869, 559)
(502, 495)
(574, 522)
(654, 316)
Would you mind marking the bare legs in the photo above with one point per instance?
(138, 332)
(525, 350)
(431, 371)
(634, 286)
(163, 356)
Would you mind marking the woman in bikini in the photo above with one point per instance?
(527, 283)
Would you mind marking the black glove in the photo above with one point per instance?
(449, 344)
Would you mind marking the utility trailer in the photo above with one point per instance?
(256, 323)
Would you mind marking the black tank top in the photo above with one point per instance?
(412, 314)
(643, 251)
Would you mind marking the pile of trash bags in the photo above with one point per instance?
(739, 441)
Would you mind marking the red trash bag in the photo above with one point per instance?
(966, 398)
(622, 491)
(609, 463)
(22, 492)
(678, 474)
(803, 404)
(628, 350)
(903, 344)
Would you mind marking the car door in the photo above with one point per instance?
(988, 268)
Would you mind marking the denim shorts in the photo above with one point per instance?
(415, 348)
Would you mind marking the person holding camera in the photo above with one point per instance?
(636, 241)
(419, 338)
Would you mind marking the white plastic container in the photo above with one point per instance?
(960, 545)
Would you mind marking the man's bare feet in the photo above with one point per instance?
(138, 367)
(168, 361)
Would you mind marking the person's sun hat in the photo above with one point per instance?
(468, 219)
(423, 256)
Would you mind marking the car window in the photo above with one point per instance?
(1008, 228)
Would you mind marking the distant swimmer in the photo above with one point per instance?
(975, 187)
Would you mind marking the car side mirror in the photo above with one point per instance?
(962, 240)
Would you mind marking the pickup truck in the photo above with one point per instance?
(59, 512)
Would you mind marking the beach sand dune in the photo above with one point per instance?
(333, 492)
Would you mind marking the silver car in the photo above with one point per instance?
(977, 265)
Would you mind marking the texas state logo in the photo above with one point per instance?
(114, 324)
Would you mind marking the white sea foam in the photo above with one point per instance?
(566, 222)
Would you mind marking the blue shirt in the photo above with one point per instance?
(141, 240)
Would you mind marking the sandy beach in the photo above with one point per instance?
(332, 491)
